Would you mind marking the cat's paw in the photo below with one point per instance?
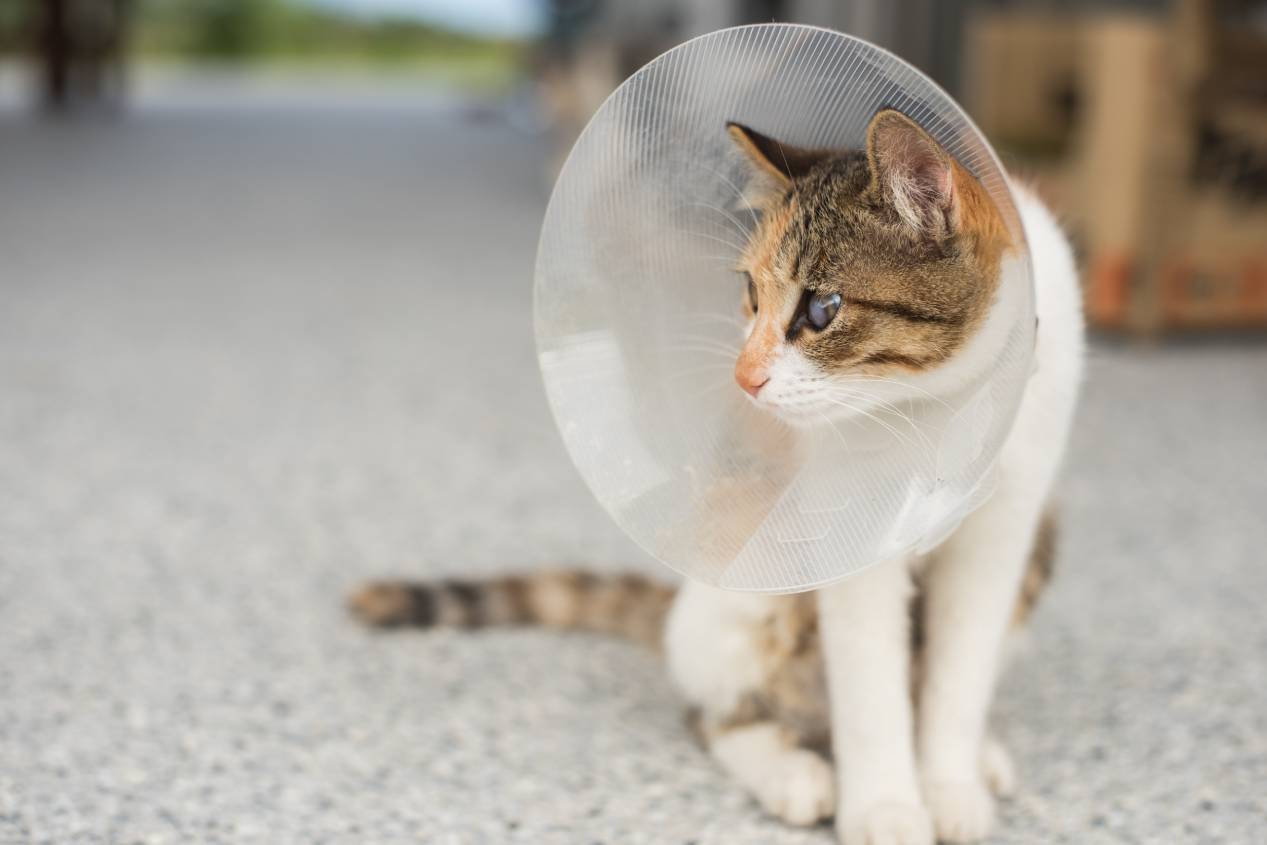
(963, 811)
(997, 768)
(800, 788)
(885, 823)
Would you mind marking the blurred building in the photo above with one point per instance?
(1149, 133)
(1143, 123)
(592, 45)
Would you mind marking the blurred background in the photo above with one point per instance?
(265, 331)
(1142, 121)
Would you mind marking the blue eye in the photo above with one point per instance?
(821, 308)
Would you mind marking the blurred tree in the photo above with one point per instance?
(12, 18)
(295, 32)
(236, 29)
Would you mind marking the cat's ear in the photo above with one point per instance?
(911, 171)
(781, 162)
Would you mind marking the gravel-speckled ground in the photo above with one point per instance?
(248, 357)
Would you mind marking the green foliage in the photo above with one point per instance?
(12, 21)
(236, 28)
(271, 30)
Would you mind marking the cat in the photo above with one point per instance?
(868, 699)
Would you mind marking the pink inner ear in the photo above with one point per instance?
(939, 175)
(920, 182)
(941, 178)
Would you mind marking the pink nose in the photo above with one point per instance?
(751, 380)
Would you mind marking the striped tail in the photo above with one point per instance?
(628, 606)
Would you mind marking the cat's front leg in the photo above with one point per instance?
(866, 647)
(971, 593)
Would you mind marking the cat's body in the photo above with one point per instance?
(744, 659)
(878, 269)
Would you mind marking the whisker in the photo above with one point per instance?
(739, 227)
(901, 384)
(886, 404)
(735, 322)
(738, 248)
(739, 195)
(890, 408)
(698, 344)
(839, 433)
(709, 368)
(731, 261)
(703, 350)
(879, 402)
(706, 340)
(886, 426)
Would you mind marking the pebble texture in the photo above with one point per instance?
(250, 356)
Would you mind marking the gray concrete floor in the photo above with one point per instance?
(249, 356)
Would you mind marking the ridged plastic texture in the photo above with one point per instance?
(637, 322)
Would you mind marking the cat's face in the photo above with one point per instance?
(866, 272)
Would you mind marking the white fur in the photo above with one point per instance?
(906, 777)
(710, 644)
(793, 783)
(867, 647)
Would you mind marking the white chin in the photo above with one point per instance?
(812, 413)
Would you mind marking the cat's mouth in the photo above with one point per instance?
(817, 402)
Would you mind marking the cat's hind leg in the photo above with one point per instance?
(733, 655)
(997, 767)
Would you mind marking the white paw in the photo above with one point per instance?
(885, 823)
(963, 811)
(997, 768)
(799, 788)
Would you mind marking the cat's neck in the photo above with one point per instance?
(982, 352)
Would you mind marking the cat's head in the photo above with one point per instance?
(868, 274)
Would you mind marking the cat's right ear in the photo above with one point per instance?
(913, 173)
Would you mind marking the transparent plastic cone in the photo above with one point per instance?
(637, 301)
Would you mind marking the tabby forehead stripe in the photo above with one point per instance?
(899, 359)
(906, 312)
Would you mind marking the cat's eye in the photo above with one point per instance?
(821, 309)
(752, 292)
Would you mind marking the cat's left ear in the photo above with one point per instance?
(781, 161)
(913, 173)
(776, 164)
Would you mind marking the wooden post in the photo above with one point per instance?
(80, 47)
(54, 45)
